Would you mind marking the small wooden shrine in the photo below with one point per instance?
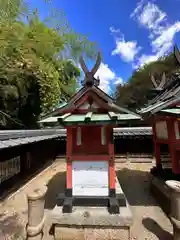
(89, 118)
(164, 110)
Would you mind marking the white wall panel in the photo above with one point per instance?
(176, 129)
(161, 130)
(94, 105)
(90, 178)
(103, 135)
(84, 106)
(79, 136)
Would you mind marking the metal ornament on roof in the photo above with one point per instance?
(89, 79)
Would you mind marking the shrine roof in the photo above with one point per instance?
(49, 120)
(168, 96)
(95, 101)
(95, 118)
(71, 105)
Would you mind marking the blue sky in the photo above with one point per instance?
(129, 33)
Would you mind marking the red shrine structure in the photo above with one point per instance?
(89, 118)
(164, 111)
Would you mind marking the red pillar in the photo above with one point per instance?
(172, 150)
(112, 174)
(69, 158)
(156, 146)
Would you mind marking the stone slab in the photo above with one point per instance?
(65, 233)
(93, 217)
(91, 234)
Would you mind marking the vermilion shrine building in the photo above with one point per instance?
(164, 111)
(89, 117)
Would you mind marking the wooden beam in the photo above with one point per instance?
(112, 115)
(88, 116)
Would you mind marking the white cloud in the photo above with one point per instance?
(143, 59)
(164, 41)
(107, 76)
(119, 80)
(126, 49)
(137, 9)
(161, 32)
(113, 30)
(150, 16)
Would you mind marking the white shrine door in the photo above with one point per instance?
(90, 178)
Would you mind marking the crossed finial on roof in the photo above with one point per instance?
(159, 86)
(89, 79)
(176, 53)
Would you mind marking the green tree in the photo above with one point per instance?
(37, 63)
(136, 92)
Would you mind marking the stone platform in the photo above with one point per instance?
(92, 222)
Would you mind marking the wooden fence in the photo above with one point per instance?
(10, 168)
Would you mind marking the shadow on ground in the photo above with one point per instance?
(135, 184)
(55, 186)
(9, 226)
(152, 226)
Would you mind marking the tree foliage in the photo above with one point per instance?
(37, 62)
(135, 93)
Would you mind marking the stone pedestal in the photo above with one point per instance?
(92, 222)
(175, 207)
(161, 192)
(36, 201)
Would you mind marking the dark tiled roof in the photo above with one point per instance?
(27, 140)
(14, 134)
(12, 138)
(133, 131)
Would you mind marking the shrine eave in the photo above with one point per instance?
(171, 112)
(49, 120)
(159, 106)
(94, 118)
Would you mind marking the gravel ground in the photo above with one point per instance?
(150, 223)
